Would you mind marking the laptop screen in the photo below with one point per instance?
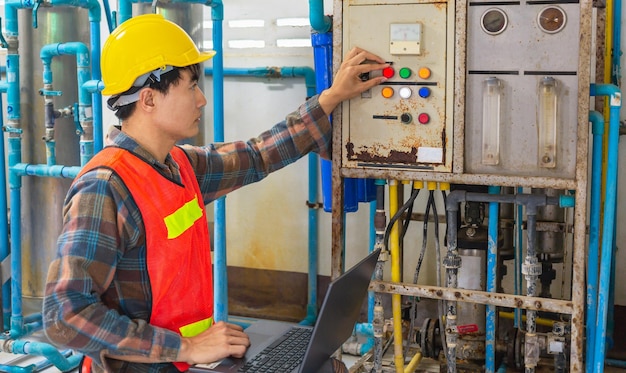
(339, 312)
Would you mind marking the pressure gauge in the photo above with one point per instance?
(551, 19)
(405, 38)
(494, 21)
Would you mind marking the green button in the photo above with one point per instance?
(405, 73)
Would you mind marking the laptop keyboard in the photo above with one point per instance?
(281, 356)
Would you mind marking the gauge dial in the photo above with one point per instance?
(551, 19)
(493, 21)
(405, 38)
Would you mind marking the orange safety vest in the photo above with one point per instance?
(177, 240)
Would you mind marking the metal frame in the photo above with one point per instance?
(575, 306)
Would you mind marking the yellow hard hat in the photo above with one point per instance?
(142, 44)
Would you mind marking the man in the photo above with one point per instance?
(131, 286)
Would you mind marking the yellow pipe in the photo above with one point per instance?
(413, 363)
(538, 321)
(396, 299)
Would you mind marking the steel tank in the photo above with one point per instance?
(42, 198)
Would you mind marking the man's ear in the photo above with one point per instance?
(146, 99)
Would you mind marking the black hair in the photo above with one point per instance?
(168, 79)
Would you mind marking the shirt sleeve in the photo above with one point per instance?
(224, 167)
(89, 247)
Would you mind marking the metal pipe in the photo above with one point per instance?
(452, 263)
(531, 270)
(475, 296)
(531, 267)
(597, 129)
(378, 320)
(608, 226)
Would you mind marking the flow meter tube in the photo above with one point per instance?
(492, 115)
(548, 119)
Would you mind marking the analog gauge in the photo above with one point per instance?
(405, 38)
(405, 31)
(551, 19)
(494, 21)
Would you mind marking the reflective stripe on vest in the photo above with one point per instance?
(183, 218)
(177, 240)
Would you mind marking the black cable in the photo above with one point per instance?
(413, 312)
(441, 301)
(398, 215)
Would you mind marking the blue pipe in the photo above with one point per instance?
(597, 128)
(492, 265)
(319, 22)
(4, 224)
(367, 329)
(220, 285)
(96, 99)
(81, 52)
(15, 184)
(17, 326)
(608, 226)
(107, 13)
(313, 245)
(309, 74)
(58, 171)
(371, 299)
(50, 352)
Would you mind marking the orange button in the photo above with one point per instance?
(387, 92)
(424, 73)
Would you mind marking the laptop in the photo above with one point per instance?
(335, 323)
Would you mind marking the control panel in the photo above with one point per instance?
(406, 122)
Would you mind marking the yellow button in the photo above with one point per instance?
(424, 73)
(387, 92)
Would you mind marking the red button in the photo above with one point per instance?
(423, 118)
(388, 72)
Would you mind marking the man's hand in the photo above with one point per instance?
(219, 341)
(348, 83)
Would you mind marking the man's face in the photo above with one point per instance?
(180, 109)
